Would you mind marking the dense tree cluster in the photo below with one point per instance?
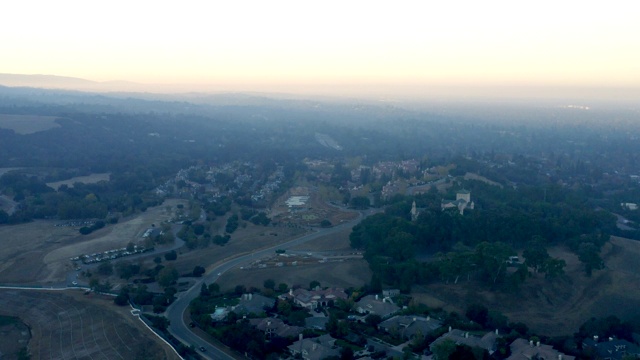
(605, 328)
(232, 224)
(82, 201)
(85, 230)
(140, 295)
(480, 242)
(261, 219)
(359, 202)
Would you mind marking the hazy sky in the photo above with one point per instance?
(283, 44)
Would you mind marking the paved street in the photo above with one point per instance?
(175, 311)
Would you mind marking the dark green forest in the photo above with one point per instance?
(479, 243)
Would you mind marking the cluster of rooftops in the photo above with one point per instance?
(406, 326)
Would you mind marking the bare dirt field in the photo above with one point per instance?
(39, 251)
(88, 179)
(69, 324)
(27, 124)
(558, 307)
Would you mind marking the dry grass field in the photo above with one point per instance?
(89, 179)
(24, 246)
(353, 273)
(39, 252)
(344, 274)
(27, 124)
(338, 242)
(70, 325)
(561, 306)
(243, 241)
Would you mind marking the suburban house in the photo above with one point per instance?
(372, 304)
(408, 327)
(522, 349)
(462, 202)
(275, 327)
(315, 348)
(613, 349)
(487, 341)
(312, 299)
(253, 303)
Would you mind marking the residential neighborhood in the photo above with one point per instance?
(334, 323)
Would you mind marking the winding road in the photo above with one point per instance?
(176, 310)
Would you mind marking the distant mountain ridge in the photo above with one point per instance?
(63, 82)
